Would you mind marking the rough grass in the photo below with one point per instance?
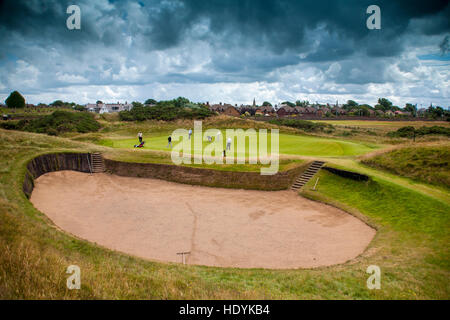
(429, 164)
(411, 247)
(56, 123)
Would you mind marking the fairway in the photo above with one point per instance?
(288, 144)
(392, 125)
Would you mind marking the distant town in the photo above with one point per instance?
(299, 109)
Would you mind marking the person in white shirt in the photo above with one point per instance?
(140, 137)
(190, 134)
(229, 144)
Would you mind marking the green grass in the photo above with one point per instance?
(429, 164)
(416, 227)
(288, 144)
(384, 124)
(411, 246)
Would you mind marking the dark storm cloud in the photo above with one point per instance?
(280, 25)
(277, 25)
(43, 22)
(130, 42)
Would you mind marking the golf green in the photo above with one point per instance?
(288, 144)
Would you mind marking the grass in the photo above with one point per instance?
(389, 125)
(288, 144)
(411, 245)
(429, 164)
(414, 230)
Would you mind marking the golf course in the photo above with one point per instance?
(409, 216)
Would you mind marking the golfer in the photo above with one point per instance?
(140, 137)
(229, 144)
(169, 139)
(190, 134)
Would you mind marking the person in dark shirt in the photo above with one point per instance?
(169, 139)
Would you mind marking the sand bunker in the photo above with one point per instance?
(155, 219)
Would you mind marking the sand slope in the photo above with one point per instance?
(155, 219)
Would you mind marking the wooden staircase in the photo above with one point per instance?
(97, 163)
(307, 175)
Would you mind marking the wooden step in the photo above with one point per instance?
(97, 163)
(314, 167)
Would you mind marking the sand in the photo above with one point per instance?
(156, 219)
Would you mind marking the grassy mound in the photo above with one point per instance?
(428, 164)
(304, 125)
(166, 112)
(410, 131)
(58, 122)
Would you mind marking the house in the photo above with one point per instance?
(265, 110)
(231, 111)
(285, 110)
(92, 107)
(338, 111)
(117, 107)
(421, 112)
(389, 113)
(300, 110)
(108, 107)
(227, 109)
(103, 110)
(259, 112)
(402, 113)
(322, 111)
(310, 110)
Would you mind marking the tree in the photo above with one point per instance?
(150, 101)
(384, 104)
(411, 108)
(435, 112)
(181, 101)
(352, 103)
(303, 103)
(290, 104)
(99, 102)
(80, 108)
(266, 104)
(57, 103)
(137, 104)
(15, 100)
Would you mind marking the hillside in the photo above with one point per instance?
(428, 164)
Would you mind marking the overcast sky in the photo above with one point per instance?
(226, 51)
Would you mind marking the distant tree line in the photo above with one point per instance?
(167, 110)
(56, 123)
